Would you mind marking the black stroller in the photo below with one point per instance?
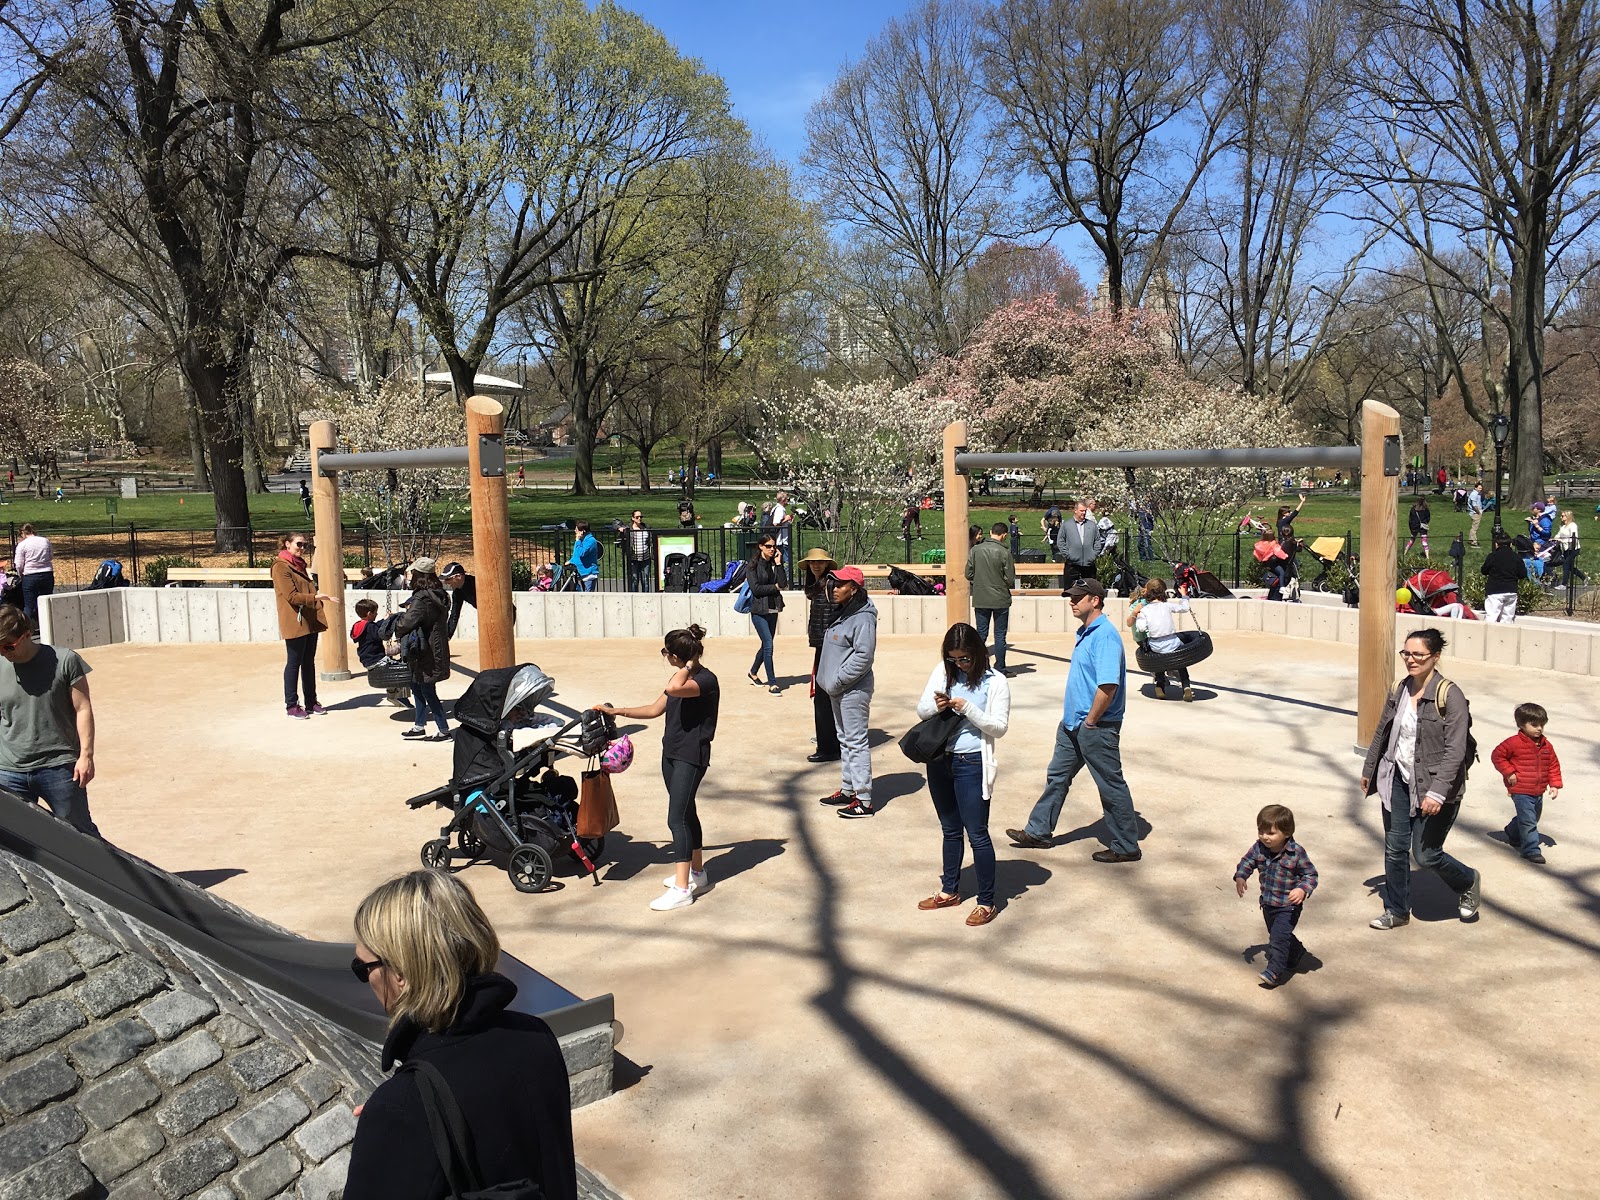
(515, 802)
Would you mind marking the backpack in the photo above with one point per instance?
(1438, 702)
(108, 576)
(698, 570)
(675, 572)
(908, 584)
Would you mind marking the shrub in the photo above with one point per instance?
(521, 575)
(153, 572)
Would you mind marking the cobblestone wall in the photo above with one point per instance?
(132, 1067)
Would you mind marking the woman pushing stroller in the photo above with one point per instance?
(689, 702)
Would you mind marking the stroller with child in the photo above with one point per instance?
(1433, 593)
(514, 803)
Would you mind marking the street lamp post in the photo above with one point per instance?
(1499, 429)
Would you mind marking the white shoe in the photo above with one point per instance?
(698, 882)
(673, 897)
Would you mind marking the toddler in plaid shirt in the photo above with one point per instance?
(1287, 881)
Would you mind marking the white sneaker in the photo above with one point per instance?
(698, 882)
(673, 897)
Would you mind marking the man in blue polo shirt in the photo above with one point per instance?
(1090, 734)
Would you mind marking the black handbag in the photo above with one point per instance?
(452, 1143)
(928, 739)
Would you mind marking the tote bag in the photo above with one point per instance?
(928, 739)
(597, 806)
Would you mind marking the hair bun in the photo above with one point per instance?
(697, 633)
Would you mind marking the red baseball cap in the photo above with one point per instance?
(849, 575)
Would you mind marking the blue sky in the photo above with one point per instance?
(776, 57)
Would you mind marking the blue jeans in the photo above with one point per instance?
(587, 583)
(1147, 546)
(425, 695)
(766, 626)
(956, 783)
(1284, 950)
(1523, 832)
(1422, 836)
(642, 576)
(1002, 621)
(1099, 749)
(34, 585)
(57, 789)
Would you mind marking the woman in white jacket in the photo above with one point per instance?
(962, 779)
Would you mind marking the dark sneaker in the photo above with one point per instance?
(297, 713)
(1467, 906)
(316, 710)
(822, 758)
(414, 732)
(858, 808)
(1116, 856)
(1269, 980)
(443, 736)
(1021, 837)
(1535, 858)
(839, 799)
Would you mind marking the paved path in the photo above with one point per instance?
(804, 1031)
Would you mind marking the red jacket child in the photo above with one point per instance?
(1528, 765)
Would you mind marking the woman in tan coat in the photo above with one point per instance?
(299, 622)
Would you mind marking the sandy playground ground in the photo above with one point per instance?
(804, 1031)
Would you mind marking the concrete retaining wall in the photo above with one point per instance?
(179, 615)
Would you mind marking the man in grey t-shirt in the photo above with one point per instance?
(46, 723)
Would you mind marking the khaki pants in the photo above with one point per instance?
(1472, 535)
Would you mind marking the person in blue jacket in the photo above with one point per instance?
(585, 558)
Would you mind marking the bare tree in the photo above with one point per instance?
(1116, 108)
(900, 151)
(1477, 123)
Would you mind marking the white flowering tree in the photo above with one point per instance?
(410, 510)
(857, 454)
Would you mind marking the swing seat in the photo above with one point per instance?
(393, 673)
(1196, 648)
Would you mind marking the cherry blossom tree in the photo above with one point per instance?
(411, 510)
(858, 453)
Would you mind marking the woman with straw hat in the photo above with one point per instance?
(815, 567)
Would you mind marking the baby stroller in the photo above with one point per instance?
(1435, 593)
(1329, 551)
(515, 802)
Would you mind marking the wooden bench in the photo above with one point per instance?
(937, 571)
(238, 575)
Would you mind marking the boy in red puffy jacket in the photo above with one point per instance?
(1527, 762)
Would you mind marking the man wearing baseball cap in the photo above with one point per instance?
(844, 671)
(463, 590)
(1090, 733)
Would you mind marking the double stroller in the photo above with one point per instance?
(514, 803)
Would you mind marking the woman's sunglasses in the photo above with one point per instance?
(362, 969)
(961, 660)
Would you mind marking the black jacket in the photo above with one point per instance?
(1503, 569)
(766, 585)
(1419, 519)
(508, 1076)
(429, 611)
(820, 614)
(467, 593)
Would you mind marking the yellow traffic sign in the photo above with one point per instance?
(1470, 448)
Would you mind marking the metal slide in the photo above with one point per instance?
(315, 974)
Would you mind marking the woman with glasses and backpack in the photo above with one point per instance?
(428, 952)
(299, 622)
(961, 780)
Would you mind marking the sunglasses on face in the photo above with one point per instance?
(361, 969)
(298, 545)
(10, 646)
(961, 660)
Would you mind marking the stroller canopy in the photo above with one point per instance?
(484, 707)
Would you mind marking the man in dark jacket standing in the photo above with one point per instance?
(1503, 569)
(463, 591)
(1078, 544)
(849, 645)
(989, 571)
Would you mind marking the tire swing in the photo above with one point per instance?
(1196, 648)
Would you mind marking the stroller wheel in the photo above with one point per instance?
(471, 844)
(530, 868)
(436, 854)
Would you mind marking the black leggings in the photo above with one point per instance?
(682, 780)
(302, 666)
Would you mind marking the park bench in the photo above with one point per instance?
(936, 570)
(238, 575)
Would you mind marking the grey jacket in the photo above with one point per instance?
(1078, 544)
(989, 571)
(849, 644)
(1441, 763)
